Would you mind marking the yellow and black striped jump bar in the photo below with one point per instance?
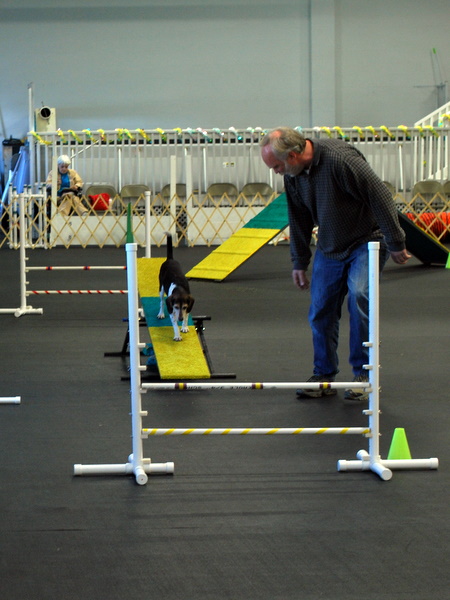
(185, 386)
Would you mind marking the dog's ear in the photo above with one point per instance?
(169, 304)
(191, 301)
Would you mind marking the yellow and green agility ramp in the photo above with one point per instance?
(244, 243)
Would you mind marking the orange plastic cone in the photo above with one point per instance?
(399, 449)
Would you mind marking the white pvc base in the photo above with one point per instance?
(384, 468)
(27, 310)
(11, 400)
(22, 310)
(139, 471)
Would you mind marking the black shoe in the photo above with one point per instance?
(324, 391)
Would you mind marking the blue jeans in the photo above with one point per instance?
(331, 281)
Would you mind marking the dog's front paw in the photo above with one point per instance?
(161, 315)
(177, 338)
(185, 329)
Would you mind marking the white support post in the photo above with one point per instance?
(148, 226)
(374, 362)
(136, 464)
(371, 460)
(23, 309)
(189, 192)
(173, 194)
(137, 458)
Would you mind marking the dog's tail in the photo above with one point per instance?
(169, 246)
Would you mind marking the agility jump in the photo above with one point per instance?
(25, 308)
(369, 460)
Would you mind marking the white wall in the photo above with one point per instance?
(150, 65)
(384, 63)
(220, 63)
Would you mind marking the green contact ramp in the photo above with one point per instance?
(421, 244)
(175, 360)
(244, 243)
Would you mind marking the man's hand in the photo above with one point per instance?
(300, 279)
(401, 258)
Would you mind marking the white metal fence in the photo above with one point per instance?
(400, 155)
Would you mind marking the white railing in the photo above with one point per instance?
(438, 118)
(400, 155)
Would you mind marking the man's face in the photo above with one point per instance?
(292, 166)
(63, 168)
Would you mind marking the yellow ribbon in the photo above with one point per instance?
(405, 130)
(359, 130)
(102, 134)
(143, 134)
(340, 132)
(162, 133)
(372, 130)
(420, 130)
(327, 131)
(74, 135)
(386, 130)
(128, 134)
(61, 135)
(89, 134)
(39, 139)
(432, 129)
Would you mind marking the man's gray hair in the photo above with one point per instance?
(283, 140)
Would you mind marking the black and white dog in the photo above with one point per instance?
(175, 286)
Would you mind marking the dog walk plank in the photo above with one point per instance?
(178, 360)
(230, 255)
(148, 276)
(175, 360)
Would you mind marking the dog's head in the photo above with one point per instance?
(179, 304)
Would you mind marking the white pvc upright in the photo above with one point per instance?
(374, 362)
(137, 464)
(371, 460)
(24, 309)
(148, 225)
(135, 379)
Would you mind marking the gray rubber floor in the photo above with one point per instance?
(243, 517)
